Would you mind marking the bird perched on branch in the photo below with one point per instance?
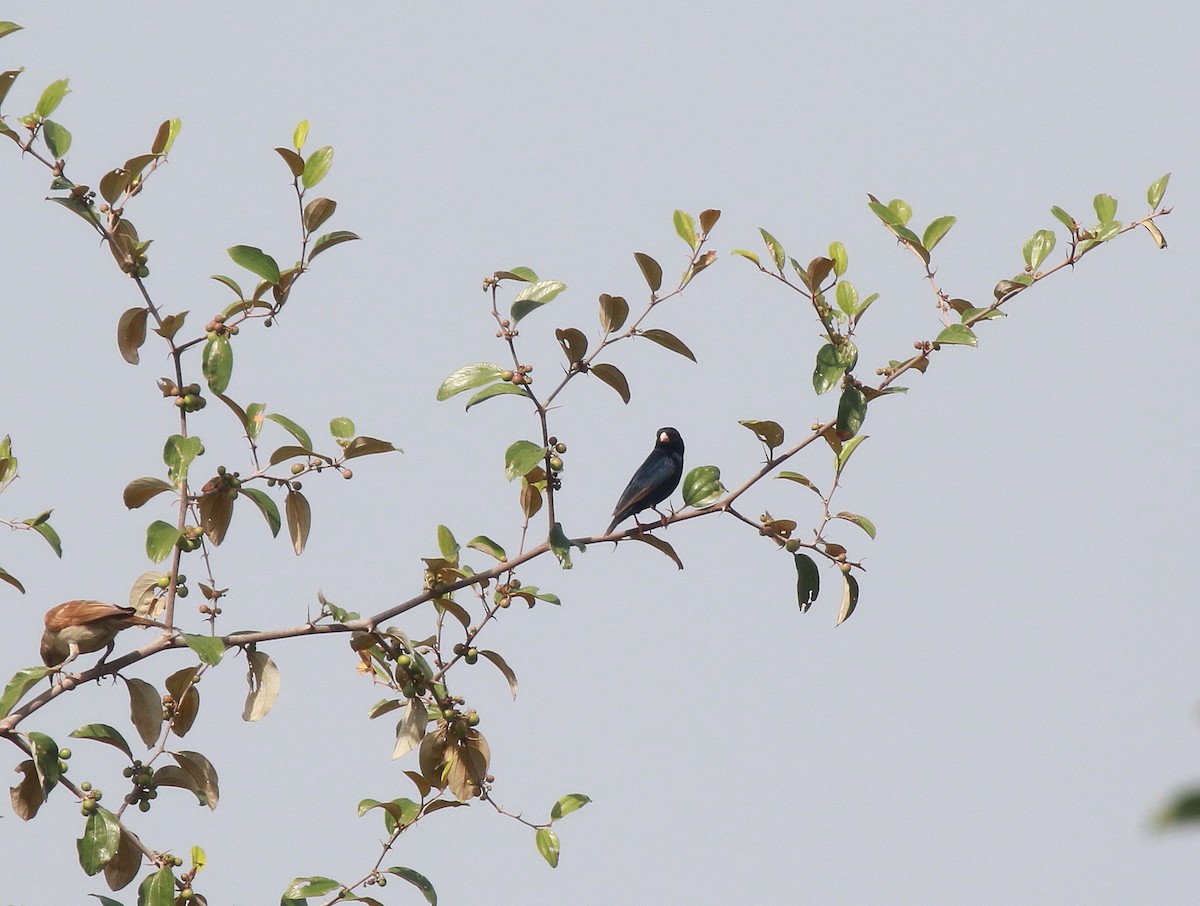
(654, 480)
(80, 627)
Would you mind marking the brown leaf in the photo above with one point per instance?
(299, 519)
(131, 333)
(669, 341)
(125, 864)
(614, 377)
(145, 709)
(651, 270)
(27, 796)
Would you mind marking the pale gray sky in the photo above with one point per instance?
(1018, 689)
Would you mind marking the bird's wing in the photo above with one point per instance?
(648, 480)
(75, 613)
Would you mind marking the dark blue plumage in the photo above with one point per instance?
(654, 480)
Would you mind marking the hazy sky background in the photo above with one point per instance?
(1018, 689)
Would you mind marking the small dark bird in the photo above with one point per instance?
(654, 480)
(80, 627)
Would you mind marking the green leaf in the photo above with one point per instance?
(103, 733)
(398, 813)
(548, 845)
(748, 255)
(560, 545)
(936, 231)
(21, 682)
(847, 297)
(800, 479)
(254, 420)
(418, 881)
(884, 213)
(467, 377)
(266, 506)
(1154, 195)
(775, 248)
(44, 529)
(1183, 809)
(499, 389)
(535, 296)
(230, 282)
(808, 581)
(849, 598)
(837, 254)
(852, 411)
(526, 274)
(957, 335)
(567, 804)
(7, 28)
(685, 226)
(329, 240)
(843, 456)
(6, 82)
(901, 209)
(51, 97)
(1106, 208)
(316, 166)
(45, 759)
(256, 261)
(832, 363)
(217, 363)
(157, 889)
(98, 845)
(160, 540)
(57, 139)
(702, 486)
(861, 521)
(292, 428)
(310, 887)
(521, 457)
(447, 545)
(208, 648)
(1063, 217)
(6, 576)
(1038, 248)
(770, 433)
(488, 546)
(669, 341)
(614, 377)
(299, 134)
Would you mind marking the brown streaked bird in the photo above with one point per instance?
(80, 627)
